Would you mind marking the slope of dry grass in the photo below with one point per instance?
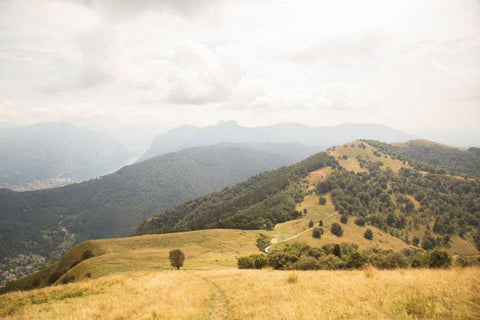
(352, 151)
(257, 294)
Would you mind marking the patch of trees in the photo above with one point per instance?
(386, 199)
(262, 242)
(299, 256)
(258, 203)
(434, 158)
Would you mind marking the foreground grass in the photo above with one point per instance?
(257, 294)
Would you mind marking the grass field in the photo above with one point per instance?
(257, 294)
(352, 151)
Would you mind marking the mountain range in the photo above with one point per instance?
(230, 131)
(55, 150)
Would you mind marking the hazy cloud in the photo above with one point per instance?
(404, 64)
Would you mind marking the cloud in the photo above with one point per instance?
(349, 46)
(260, 61)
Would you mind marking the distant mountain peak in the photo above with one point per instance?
(227, 123)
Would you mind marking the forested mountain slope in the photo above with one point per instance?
(50, 150)
(48, 221)
(369, 182)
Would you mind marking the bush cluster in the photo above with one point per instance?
(299, 256)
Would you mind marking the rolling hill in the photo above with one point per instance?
(46, 222)
(406, 209)
(55, 150)
(229, 131)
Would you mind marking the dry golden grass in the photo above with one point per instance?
(204, 249)
(352, 164)
(141, 295)
(257, 294)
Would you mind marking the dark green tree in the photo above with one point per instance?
(176, 258)
(336, 229)
(368, 234)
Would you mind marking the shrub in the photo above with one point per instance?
(356, 260)
(389, 260)
(88, 275)
(330, 262)
(306, 263)
(262, 242)
(368, 234)
(462, 261)
(254, 261)
(323, 201)
(317, 232)
(320, 223)
(176, 258)
(438, 258)
(260, 261)
(359, 222)
(336, 229)
(245, 263)
(428, 242)
(311, 224)
(315, 252)
(87, 254)
(418, 261)
(281, 259)
(344, 219)
(416, 241)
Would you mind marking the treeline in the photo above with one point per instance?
(434, 158)
(399, 203)
(260, 202)
(299, 256)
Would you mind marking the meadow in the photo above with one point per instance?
(257, 294)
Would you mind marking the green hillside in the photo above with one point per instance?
(49, 221)
(260, 202)
(369, 183)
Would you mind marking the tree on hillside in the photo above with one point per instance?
(311, 223)
(368, 234)
(336, 229)
(317, 232)
(176, 258)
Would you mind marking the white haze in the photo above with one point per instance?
(126, 66)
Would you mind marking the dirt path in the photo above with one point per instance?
(274, 241)
(218, 306)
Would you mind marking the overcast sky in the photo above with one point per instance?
(411, 65)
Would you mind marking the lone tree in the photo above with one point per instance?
(336, 229)
(176, 258)
(368, 234)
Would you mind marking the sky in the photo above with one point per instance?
(411, 65)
